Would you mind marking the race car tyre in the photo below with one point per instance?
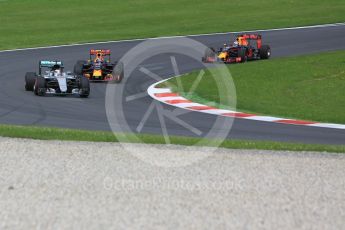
(242, 54)
(84, 87)
(265, 52)
(40, 86)
(118, 73)
(209, 52)
(30, 78)
(78, 67)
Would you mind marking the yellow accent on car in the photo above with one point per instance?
(223, 55)
(97, 73)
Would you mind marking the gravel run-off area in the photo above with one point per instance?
(82, 185)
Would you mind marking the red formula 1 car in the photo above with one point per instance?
(100, 68)
(246, 47)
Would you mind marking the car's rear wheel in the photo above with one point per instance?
(78, 67)
(30, 78)
(84, 87)
(265, 52)
(40, 86)
(242, 54)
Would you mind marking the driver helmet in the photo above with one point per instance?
(98, 58)
(236, 43)
(56, 69)
(57, 72)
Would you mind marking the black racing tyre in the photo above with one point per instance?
(30, 78)
(118, 73)
(265, 52)
(40, 86)
(78, 67)
(84, 87)
(242, 54)
(209, 52)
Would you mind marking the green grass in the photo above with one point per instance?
(305, 87)
(29, 23)
(45, 133)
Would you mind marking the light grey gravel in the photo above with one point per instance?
(80, 185)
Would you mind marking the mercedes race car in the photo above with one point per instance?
(51, 79)
(100, 68)
(246, 47)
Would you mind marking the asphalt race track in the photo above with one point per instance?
(24, 108)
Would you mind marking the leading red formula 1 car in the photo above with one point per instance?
(246, 47)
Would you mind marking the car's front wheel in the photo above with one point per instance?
(40, 86)
(30, 78)
(209, 53)
(84, 87)
(118, 73)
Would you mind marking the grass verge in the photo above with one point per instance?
(27, 23)
(306, 87)
(45, 133)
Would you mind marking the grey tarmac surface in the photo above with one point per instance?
(20, 107)
(80, 185)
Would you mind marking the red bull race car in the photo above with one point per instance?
(246, 47)
(100, 68)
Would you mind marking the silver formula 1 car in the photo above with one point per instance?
(51, 79)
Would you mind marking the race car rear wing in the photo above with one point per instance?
(103, 52)
(49, 64)
(250, 36)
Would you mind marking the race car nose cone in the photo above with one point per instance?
(97, 73)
